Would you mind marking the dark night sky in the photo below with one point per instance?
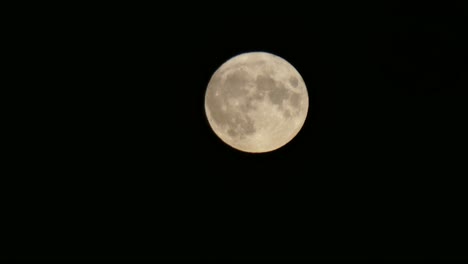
(135, 171)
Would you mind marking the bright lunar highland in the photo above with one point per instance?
(256, 102)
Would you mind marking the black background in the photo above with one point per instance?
(119, 161)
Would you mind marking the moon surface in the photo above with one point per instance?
(256, 102)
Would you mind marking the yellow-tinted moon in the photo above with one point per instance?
(256, 102)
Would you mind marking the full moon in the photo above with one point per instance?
(256, 102)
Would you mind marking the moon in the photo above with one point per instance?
(256, 102)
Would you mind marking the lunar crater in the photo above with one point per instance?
(293, 81)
